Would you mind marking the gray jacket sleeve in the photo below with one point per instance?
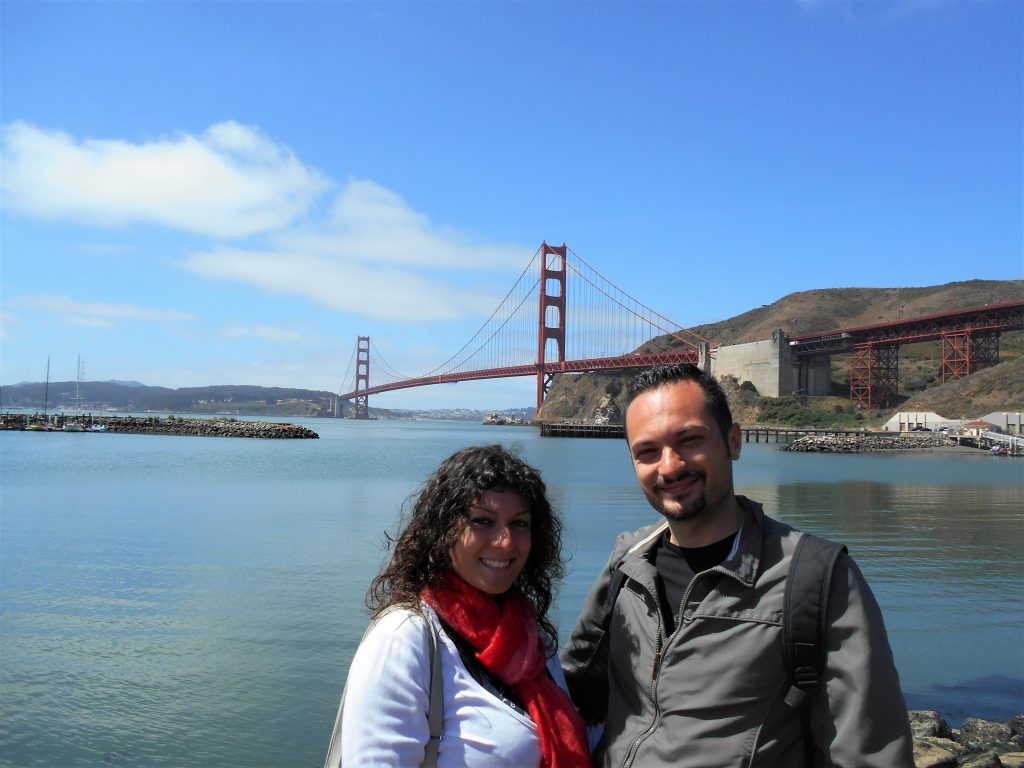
(861, 720)
(585, 655)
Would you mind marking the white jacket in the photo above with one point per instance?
(386, 697)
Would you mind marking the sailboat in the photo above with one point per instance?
(45, 425)
(77, 426)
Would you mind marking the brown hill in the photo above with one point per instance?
(579, 398)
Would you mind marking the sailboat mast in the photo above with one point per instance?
(46, 389)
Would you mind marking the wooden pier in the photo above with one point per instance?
(750, 434)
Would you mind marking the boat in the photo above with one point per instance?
(97, 427)
(73, 426)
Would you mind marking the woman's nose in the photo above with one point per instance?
(502, 536)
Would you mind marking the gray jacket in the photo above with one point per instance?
(712, 694)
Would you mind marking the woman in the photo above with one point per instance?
(476, 559)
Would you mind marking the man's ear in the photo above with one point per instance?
(735, 441)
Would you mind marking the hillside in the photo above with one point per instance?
(132, 396)
(1001, 388)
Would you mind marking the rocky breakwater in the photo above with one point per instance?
(979, 744)
(869, 442)
(174, 425)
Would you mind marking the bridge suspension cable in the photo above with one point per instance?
(598, 322)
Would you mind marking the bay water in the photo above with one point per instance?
(195, 601)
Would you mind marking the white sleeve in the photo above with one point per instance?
(386, 694)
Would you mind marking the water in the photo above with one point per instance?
(173, 601)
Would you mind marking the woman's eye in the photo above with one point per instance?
(480, 521)
(524, 524)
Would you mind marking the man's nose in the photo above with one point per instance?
(670, 462)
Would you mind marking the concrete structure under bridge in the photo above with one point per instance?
(781, 365)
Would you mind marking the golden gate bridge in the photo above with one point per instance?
(530, 334)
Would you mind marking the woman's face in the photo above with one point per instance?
(494, 545)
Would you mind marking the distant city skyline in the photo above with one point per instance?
(198, 194)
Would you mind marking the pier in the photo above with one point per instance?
(750, 434)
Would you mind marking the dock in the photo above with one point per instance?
(754, 434)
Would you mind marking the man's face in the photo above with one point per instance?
(682, 463)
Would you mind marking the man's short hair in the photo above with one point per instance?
(663, 375)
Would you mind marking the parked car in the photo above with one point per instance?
(919, 428)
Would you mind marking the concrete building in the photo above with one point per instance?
(906, 421)
(769, 365)
(1008, 422)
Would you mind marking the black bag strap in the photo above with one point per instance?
(805, 615)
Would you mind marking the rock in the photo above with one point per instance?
(979, 735)
(954, 748)
(868, 442)
(607, 412)
(928, 722)
(984, 760)
(1012, 759)
(930, 756)
(1017, 730)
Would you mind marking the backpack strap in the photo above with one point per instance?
(435, 712)
(805, 615)
(435, 708)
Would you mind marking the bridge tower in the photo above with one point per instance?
(874, 374)
(964, 352)
(550, 324)
(361, 404)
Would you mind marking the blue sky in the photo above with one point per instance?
(224, 193)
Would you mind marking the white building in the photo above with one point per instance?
(1008, 423)
(907, 421)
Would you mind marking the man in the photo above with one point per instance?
(691, 668)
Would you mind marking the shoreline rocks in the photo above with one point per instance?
(169, 425)
(978, 744)
(869, 442)
(215, 427)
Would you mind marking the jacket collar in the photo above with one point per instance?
(742, 563)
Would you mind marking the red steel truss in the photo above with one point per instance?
(966, 352)
(874, 374)
(970, 342)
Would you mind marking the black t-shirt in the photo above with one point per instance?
(676, 567)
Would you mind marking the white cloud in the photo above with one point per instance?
(230, 181)
(371, 254)
(372, 224)
(6, 321)
(100, 315)
(257, 331)
(382, 293)
(375, 257)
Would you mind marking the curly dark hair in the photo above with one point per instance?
(663, 375)
(439, 514)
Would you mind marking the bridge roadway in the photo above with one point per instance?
(989, 318)
(623, 363)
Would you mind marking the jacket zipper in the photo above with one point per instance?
(658, 653)
(631, 754)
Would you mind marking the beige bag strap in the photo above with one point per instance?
(435, 709)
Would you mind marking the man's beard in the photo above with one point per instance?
(689, 511)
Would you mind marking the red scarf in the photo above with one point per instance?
(509, 646)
